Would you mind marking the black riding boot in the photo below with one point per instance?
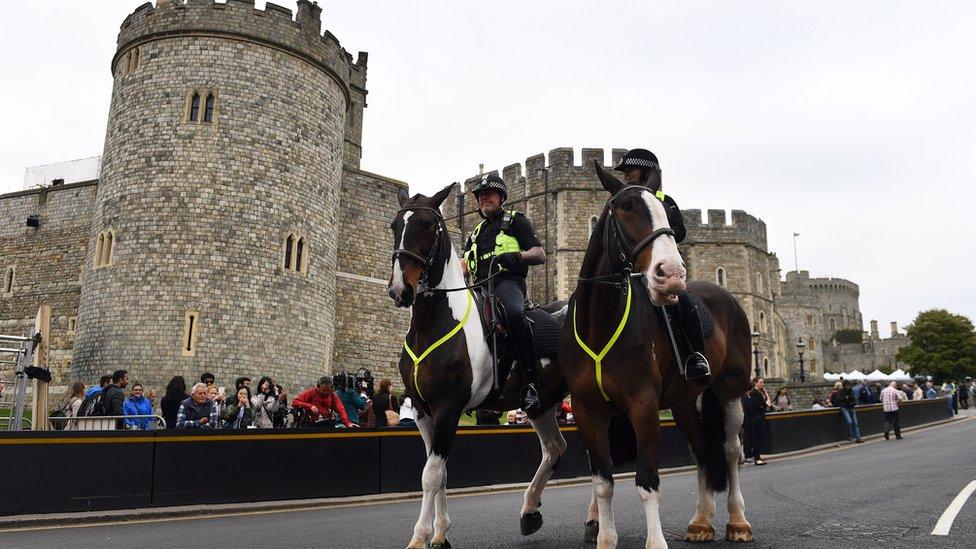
(696, 365)
(532, 384)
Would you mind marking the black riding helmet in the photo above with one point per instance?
(491, 181)
(638, 158)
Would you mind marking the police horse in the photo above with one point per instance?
(617, 359)
(446, 364)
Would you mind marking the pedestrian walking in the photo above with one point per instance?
(890, 397)
(949, 388)
(963, 396)
(843, 398)
(755, 403)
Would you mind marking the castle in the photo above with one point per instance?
(232, 230)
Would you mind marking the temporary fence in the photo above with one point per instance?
(24, 357)
(105, 423)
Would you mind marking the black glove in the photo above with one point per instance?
(508, 260)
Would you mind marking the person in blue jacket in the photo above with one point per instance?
(138, 405)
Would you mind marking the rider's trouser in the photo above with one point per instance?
(686, 312)
(511, 293)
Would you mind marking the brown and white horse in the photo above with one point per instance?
(454, 370)
(631, 268)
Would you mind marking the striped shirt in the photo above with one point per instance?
(890, 397)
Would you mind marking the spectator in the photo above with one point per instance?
(113, 398)
(175, 395)
(197, 411)
(754, 404)
(281, 414)
(237, 413)
(862, 394)
(818, 404)
(890, 397)
(385, 405)
(352, 401)
(564, 413)
(930, 391)
(138, 405)
(207, 379)
(265, 403)
(72, 403)
(102, 382)
(843, 398)
(243, 381)
(949, 388)
(408, 416)
(963, 396)
(219, 399)
(782, 403)
(320, 403)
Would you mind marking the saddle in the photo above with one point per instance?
(704, 315)
(545, 323)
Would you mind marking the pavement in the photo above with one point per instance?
(879, 494)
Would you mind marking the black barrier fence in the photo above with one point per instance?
(51, 472)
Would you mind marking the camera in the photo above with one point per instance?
(362, 380)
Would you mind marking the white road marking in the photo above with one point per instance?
(945, 521)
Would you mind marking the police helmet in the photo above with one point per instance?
(638, 158)
(491, 181)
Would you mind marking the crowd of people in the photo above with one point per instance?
(208, 405)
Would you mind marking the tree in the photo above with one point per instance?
(943, 345)
(849, 335)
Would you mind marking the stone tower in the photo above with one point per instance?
(214, 236)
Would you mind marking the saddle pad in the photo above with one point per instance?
(545, 332)
(704, 315)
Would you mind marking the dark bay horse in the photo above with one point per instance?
(446, 363)
(631, 268)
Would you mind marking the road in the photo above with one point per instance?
(877, 494)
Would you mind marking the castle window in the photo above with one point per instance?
(811, 345)
(72, 322)
(762, 322)
(208, 108)
(720, 276)
(9, 276)
(809, 320)
(133, 59)
(191, 323)
(833, 325)
(593, 221)
(766, 366)
(295, 253)
(103, 248)
(195, 107)
(759, 284)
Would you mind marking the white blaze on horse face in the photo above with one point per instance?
(664, 249)
(396, 283)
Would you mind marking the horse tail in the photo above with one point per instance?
(715, 463)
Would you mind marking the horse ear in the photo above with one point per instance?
(403, 195)
(441, 195)
(610, 183)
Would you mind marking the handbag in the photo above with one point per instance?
(392, 418)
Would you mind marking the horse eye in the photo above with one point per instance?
(626, 205)
(426, 225)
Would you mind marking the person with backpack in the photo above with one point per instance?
(70, 408)
(843, 398)
(113, 397)
(138, 405)
(102, 382)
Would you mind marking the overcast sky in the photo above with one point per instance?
(851, 123)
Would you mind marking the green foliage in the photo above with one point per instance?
(849, 335)
(943, 345)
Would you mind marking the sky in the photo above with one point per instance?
(851, 123)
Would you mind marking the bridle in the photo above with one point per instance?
(433, 255)
(614, 238)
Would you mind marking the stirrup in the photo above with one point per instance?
(693, 367)
(530, 397)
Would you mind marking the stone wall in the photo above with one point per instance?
(839, 300)
(799, 309)
(369, 329)
(48, 263)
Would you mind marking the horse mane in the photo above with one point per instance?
(593, 257)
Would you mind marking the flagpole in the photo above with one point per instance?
(796, 264)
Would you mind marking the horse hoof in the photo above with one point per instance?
(441, 545)
(590, 531)
(738, 532)
(530, 523)
(699, 533)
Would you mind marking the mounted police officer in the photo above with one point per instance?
(641, 167)
(507, 237)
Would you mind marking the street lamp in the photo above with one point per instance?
(755, 349)
(800, 346)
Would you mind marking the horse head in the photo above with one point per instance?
(636, 227)
(420, 241)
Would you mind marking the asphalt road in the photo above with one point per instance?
(877, 494)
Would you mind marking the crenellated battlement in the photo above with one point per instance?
(298, 33)
(717, 226)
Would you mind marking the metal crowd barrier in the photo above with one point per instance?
(107, 423)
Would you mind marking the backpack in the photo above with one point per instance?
(62, 411)
(864, 396)
(93, 405)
